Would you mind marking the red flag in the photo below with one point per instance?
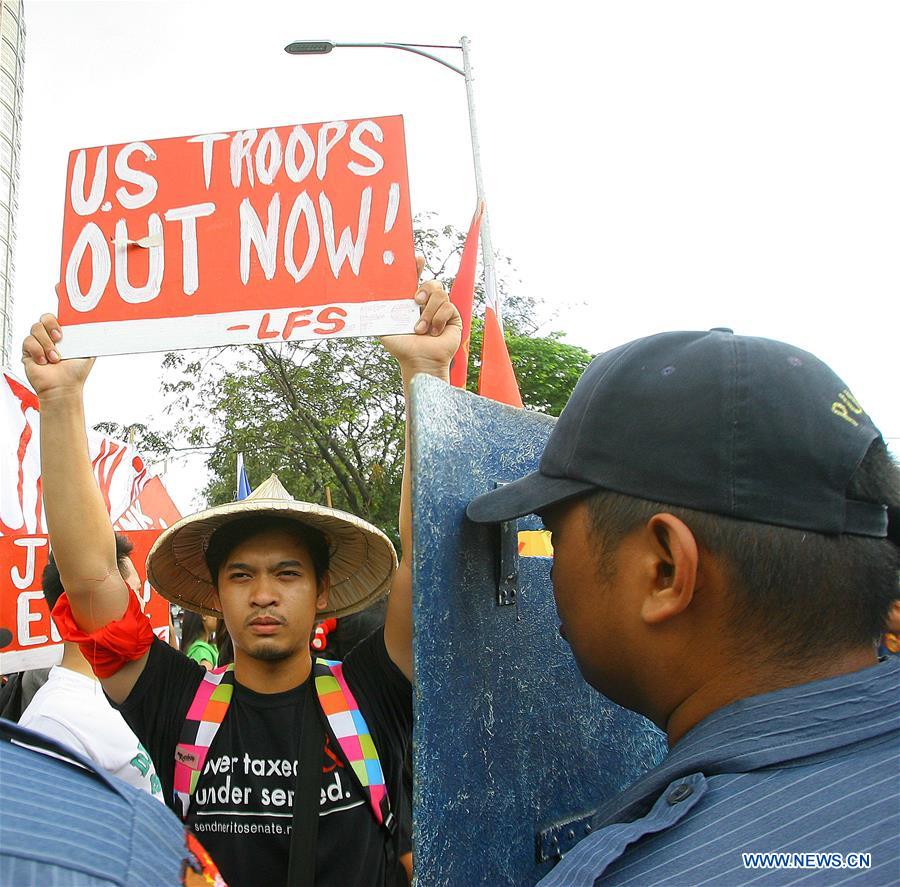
(497, 380)
(462, 294)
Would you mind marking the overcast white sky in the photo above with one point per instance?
(648, 165)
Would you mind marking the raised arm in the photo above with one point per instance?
(429, 351)
(81, 535)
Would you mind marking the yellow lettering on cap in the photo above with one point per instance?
(840, 409)
(851, 402)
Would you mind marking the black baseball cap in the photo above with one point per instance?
(745, 427)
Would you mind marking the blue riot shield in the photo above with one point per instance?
(512, 749)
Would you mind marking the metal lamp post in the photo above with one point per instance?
(321, 47)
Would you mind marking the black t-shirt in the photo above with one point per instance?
(243, 803)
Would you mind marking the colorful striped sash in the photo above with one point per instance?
(201, 724)
(351, 731)
(345, 722)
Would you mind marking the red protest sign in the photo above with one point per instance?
(293, 232)
(23, 611)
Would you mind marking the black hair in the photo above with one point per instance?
(51, 584)
(224, 644)
(192, 627)
(798, 594)
(227, 537)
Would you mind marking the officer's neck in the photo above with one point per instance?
(742, 679)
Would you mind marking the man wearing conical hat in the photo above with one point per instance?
(229, 746)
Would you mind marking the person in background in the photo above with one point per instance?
(198, 638)
(72, 708)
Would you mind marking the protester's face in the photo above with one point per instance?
(269, 596)
(596, 616)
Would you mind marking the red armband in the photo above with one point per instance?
(112, 646)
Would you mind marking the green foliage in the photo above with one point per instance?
(328, 417)
(147, 440)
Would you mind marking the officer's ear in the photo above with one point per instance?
(677, 556)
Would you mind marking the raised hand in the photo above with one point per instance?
(44, 367)
(437, 334)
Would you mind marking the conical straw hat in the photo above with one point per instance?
(362, 562)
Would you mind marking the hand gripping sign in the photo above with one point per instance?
(295, 232)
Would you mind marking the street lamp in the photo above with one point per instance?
(321, 47)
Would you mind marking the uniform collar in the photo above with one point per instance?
(792, 724)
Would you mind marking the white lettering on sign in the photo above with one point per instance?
(268, 157)
(240, 153)
(23, 580)
(123, 255)
(188, 216)
(86, 206)
(356, 144)
(346, 248)
(143, 180)
(150, 290)
(393, 205)
(339, 127)
(299, 136)
(90, 237)
(266, 242)
(304, 206)
(207, 142)
(24, 618)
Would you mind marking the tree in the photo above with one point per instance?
(328, 416)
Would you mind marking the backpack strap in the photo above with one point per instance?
(204, 717)
(349, 727)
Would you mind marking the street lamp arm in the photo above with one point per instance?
(407, 47)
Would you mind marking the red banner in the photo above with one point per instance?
(23, 610)
(152, 510)
(118, 468)
(292, 232)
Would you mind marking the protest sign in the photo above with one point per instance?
(294, 232)
(23, 611)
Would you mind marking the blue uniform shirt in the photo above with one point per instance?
(808, 773)
(65, 822)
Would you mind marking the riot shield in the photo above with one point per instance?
(512, 749)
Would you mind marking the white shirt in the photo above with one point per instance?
(72, 709)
